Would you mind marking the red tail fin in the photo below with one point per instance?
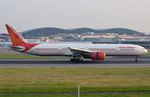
(17, 40)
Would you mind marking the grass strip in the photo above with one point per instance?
(66, 79)
(69, 95)
(26, 56)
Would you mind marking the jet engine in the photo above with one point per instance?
(98, 56)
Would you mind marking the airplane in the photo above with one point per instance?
(77, 51)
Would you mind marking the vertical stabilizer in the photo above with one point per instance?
(17, 40)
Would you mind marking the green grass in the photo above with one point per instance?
(66, 79)
(36, 95)
(20, 82)
(116, 95)
(26, 56)
(83, 95)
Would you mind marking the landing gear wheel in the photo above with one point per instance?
(75, 60)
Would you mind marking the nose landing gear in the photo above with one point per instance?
(136, 59)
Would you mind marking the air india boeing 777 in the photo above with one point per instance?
(77, 52)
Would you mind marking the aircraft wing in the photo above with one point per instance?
(80, 51)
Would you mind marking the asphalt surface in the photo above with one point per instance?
(120, 62)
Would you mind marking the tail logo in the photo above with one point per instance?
(18, 42)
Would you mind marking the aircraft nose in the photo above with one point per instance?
(145, 51)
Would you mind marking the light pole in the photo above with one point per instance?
(78, 90)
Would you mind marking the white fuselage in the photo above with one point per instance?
(62, 49)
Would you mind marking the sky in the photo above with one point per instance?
(98, 14)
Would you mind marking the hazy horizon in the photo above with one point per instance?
(68, 14)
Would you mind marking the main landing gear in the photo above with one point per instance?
(76, 59)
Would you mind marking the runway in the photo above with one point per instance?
(109, 62)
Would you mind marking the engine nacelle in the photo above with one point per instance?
(98, 56)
